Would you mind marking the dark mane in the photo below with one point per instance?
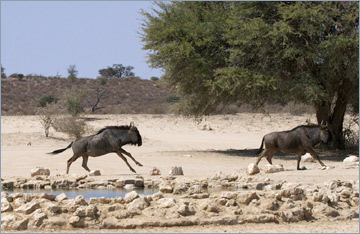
(123, 127)
(306, 126)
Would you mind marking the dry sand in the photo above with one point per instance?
(177, 141)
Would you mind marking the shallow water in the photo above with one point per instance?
(87, 193)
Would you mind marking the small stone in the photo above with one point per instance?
(40, 171)
(269, 168)
(129, 187)
(139, 203)
(61, 197)
(129, 197)
(139, 183)
(154, 171)
(119, 183)
(166, 202)
(307, 158)
(165, 188)
(94, 173)
(28, 208)
(351, 159)
(80, 200)
(176, 171)
(39, 217)
(252, 169)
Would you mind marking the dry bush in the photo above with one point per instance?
(47, 115)
(73, 126)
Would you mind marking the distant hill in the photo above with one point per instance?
(123, 95)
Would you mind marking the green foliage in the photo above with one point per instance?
(254, 52)
(17, 75)
(172, 98)
(74, 102)
(188, 43)
(154, 78)
(221, 53)
(47, 100)
(117, 70)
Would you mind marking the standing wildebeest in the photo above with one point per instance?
(108, 140)
(298, 140)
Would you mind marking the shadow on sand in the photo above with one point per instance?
(324, 154)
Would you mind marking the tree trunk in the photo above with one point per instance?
(334, 117)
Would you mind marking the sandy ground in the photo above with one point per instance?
(177, 141)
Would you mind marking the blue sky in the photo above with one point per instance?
(45, 37)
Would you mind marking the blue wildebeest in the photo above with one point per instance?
(299, 140)
(108, 140)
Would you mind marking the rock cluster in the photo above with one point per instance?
(183, 201)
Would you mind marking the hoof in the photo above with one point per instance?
(139, 164)
(302, 168)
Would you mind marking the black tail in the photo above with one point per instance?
(261, 147)
(61, 150)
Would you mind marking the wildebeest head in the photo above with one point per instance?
(135, 135)
(325, 135)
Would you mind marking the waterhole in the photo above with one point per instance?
(87, 193)
(110, 193)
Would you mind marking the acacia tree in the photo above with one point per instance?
(301, 51)
(117, 70)
(73, 72)
(218, 53)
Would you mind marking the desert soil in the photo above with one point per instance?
(170, 140)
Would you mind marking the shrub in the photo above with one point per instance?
(74, 102)
(154, 78)
(48, 116)
(47, 100)
(72, 126)
(73, 72)
(172, 99)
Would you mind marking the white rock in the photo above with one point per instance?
(252, 169)
(154, 171)
(94, 173)
(273, 168)
(61, 197)
(307, 158)
(176, 171)
(40, 171)
(119, 183)
(166, 202)
(129, 197)
(139, 203)
(351, 159)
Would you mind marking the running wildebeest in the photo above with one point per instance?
(298, 140)
(108, 140)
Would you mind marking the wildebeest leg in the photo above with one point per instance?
(315, 155)
(123, 158)
(84, 163)
(71, 160)
(298, 161)
(270, 155)
(260, 156)
(130, 156)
